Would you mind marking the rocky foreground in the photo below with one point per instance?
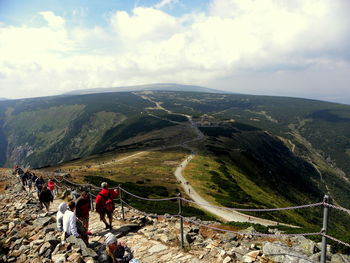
(28, 234)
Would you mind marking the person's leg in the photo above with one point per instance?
(103, 219)
(110, 218)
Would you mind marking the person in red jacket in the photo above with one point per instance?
(51, 186)
(82, 210)
(105, 196)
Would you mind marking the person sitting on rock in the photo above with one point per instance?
(45, 197)
(72, 225)
(102, 198)
(82, 210)
(70, 221)
(114, 251)
(59, 217)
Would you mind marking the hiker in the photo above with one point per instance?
(51, 186)
(72, 225)
(20, 174)
(82, 210)
(105, 205)
(75, 194)
(39, 182)
(29, 179)
(114, 251)
(70, 221)
(45, 197)
(59, 217)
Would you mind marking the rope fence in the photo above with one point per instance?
(254, 209)
(322, 233)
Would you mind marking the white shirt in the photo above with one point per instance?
(59, 220)
(70, 223)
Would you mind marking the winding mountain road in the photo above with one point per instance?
(224, 214)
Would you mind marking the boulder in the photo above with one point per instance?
(42, 221)
(280, 252)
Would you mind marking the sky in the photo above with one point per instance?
(296, 48)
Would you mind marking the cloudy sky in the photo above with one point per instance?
(297, 48)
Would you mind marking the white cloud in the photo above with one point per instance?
(234, 38)
(163, 3)
(53, 20)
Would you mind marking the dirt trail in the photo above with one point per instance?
(225, 215)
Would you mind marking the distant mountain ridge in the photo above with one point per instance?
(154, 87)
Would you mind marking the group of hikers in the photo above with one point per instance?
(73, 214)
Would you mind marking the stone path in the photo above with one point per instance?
(145, 249)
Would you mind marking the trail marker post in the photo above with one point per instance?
(181, 222)
(324, 230)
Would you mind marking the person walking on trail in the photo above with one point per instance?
(51, 186)
(45, 197)
(114, 251)
(39, 183)
(62, 208)
(105, 205)
(82, 210)
(29, 175)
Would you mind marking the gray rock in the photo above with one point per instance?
(42, 221)
(51, 239)
(86, 252)
(280, 252)
(228, 237)
(157, 248)
(305, 245)
(339, 258)
(46, 246)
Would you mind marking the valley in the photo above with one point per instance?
(230, 150)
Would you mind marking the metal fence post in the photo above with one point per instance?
(324, 230)
(91, 199)
(121, 201)
(181, 221)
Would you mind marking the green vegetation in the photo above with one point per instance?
(259, 151)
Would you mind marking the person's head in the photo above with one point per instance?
(111, 241)
(84, 194)
(44, 187)
(62, 207)
(104, 185)
(71, 205)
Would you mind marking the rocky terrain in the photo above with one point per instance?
(28, 234)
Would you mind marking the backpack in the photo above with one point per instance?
(109, 204)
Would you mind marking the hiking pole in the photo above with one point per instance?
(181, 221)
(324, 230)
(121, 201)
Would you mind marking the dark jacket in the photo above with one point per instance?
(45, 196)
(83, 207)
